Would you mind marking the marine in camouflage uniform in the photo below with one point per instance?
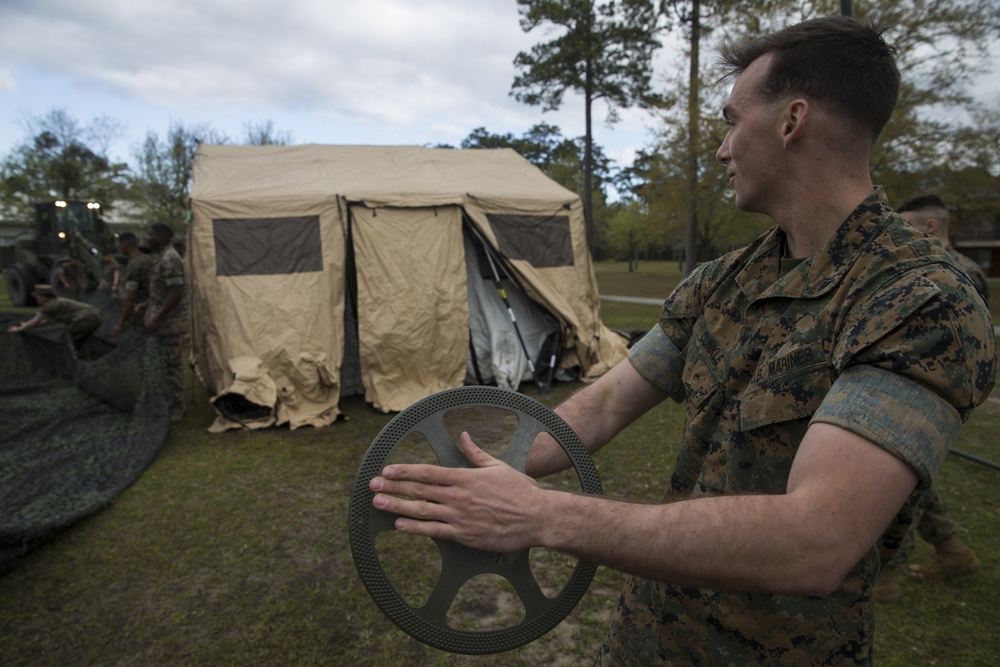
(167, 313)
(137, 274)
(135, 283)
(975, 271)
(928, 213)
(111, 274)
(71, 280)
(82, 319)
(821, 393)
(769, 349)
(934, 524)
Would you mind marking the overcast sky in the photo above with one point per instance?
(322, 71)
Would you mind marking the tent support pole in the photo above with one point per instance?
(510, 312)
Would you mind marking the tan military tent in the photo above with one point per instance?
(321, 271)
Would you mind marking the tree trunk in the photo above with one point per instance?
(633, 253)
(694, 109)
(588, 165)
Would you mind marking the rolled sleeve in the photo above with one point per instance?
(658, 360)
(897, 414)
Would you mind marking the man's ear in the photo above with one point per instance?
(794, 120)
(931, 226)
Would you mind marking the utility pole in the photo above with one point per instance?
(845, 7)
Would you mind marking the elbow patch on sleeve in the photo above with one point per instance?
(658, 360)
(897, 414)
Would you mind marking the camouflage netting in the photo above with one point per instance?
(75, 434)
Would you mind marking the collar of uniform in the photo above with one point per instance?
(821, 272)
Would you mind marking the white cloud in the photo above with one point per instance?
(391, 61)
(400, 71)
(7, 82)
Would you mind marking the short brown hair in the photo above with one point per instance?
(837, 60)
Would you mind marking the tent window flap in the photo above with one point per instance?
(541, 240)
(267, 246)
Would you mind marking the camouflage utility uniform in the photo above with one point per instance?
(137, 279)
(933, 523)
(974, 270)
(110, 268)
(76, 281)
(877, 333)
(933, 520)
(172, 332)
(82, 319)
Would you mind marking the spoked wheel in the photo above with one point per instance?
(459, 564)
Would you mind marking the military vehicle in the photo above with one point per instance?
(63, 230)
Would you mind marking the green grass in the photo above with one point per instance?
(652, 280)
(232, 549)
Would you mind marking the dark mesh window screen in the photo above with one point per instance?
(541, 240)
(267, 246)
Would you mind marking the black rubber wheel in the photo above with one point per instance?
(459, 564)
(20, 284)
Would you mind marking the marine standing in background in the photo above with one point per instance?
(166, 313)
(70, 280)
(111, 274)
(135, 282)
(929, 214)
(952, 557)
